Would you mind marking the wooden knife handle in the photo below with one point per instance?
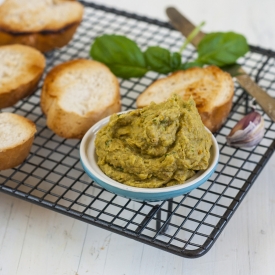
(182, 24)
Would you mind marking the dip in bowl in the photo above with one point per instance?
(131, 188)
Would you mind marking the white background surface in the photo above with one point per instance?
(34, 240)
(253, 18)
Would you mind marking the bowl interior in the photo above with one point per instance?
(89, 161)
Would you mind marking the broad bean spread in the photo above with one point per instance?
(157, 146)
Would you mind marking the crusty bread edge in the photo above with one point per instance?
(68, 124)
(15, 155)
(11, 97)
(42, 41)
(217, 117)
(71, 125)
(12, 157)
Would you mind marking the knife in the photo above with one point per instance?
(182, 24)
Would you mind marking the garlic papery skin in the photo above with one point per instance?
(248, 132)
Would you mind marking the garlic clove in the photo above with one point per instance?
(248, 132)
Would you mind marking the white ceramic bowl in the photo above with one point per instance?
(89, 162)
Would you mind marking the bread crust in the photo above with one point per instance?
(211, 88)
(53, 30)
(25, 82)
(43, 41)
(70, 124)
(15, 154)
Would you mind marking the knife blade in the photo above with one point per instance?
(182, 24)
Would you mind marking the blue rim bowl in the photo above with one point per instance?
(88, 160)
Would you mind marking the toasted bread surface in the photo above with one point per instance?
(39, 15)
(42, 24)
(211, 88)
(16, 135)
(21, 68)
(78, 93)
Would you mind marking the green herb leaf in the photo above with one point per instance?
(189, 65)
(175, 61)
(120, 54)
(222, 49)
(160, 60)
(127, 71)
(125, 59)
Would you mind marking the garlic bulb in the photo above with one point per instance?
(248, 132)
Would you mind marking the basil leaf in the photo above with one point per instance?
(126, 60)
(175, 61)
(221, 48)
(126, 71)
(120, 54)
(160, 60)
(189, 65)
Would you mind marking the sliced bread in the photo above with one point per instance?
(21, 68)
(77, 94)
(211, 88)
(16, 135)
(42, 24)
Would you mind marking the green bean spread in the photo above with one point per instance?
(157, 146)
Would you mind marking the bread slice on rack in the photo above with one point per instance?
(211, 88)
(21, 68)
(42, 24)
(16, 135)
(78, 93)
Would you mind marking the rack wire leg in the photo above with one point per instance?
(158, 222)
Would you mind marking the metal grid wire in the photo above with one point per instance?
(52, 175)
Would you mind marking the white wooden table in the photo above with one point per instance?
(34, 240)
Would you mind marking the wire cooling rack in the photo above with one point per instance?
(52, 175)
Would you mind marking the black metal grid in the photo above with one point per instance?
(52, 175)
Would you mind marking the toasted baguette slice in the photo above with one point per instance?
(77, 94)
(16, 135)
(42, 24)
(211, 88)
(21, 68)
